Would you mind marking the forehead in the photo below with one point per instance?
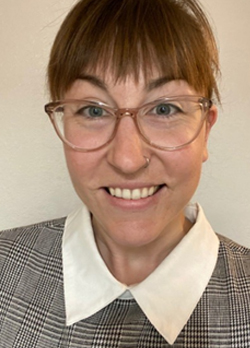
(108, 88)
(108, 78)
(148, 76)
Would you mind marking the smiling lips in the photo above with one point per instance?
(133, 194)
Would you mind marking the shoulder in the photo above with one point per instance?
(233, 249)
(234, 259)
(40, 237)
(31, 274)
(56, 226)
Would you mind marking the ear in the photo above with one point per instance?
(211, 119)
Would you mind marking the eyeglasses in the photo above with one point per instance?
(167, 123)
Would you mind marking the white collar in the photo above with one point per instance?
(180, 279)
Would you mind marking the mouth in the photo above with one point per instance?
(134, 194)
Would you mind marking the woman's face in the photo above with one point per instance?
(120, 165)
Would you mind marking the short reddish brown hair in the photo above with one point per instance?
(128, 36)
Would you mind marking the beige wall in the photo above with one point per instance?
(34, 182)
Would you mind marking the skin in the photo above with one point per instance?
(133, 237)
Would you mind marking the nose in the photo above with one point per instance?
(126, 151)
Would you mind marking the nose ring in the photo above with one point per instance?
(147, 162)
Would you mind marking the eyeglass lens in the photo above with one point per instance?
(165, 123)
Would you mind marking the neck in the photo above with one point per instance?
(132, 264)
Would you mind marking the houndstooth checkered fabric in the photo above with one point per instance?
(32, 303)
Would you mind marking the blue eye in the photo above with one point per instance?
(167, 110)
(93, 111)
(163, 109)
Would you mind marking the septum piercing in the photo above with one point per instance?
(147, 162)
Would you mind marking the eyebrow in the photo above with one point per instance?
(94, 80)
(158, 83)
(154, 84)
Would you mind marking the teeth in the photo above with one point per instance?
(112, 191)
(136, 194)
(144, 193)
(126, 194)
(133, 194)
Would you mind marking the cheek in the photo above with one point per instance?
(80, 166)
(188, 168)
(188, 164)
(82, 169)
(74, 164)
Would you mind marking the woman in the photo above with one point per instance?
(131, 84)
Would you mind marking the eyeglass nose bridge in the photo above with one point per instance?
(126, 112)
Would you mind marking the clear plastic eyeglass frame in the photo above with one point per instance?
(203, 103)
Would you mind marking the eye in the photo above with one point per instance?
(91, 112)
(166, 109)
